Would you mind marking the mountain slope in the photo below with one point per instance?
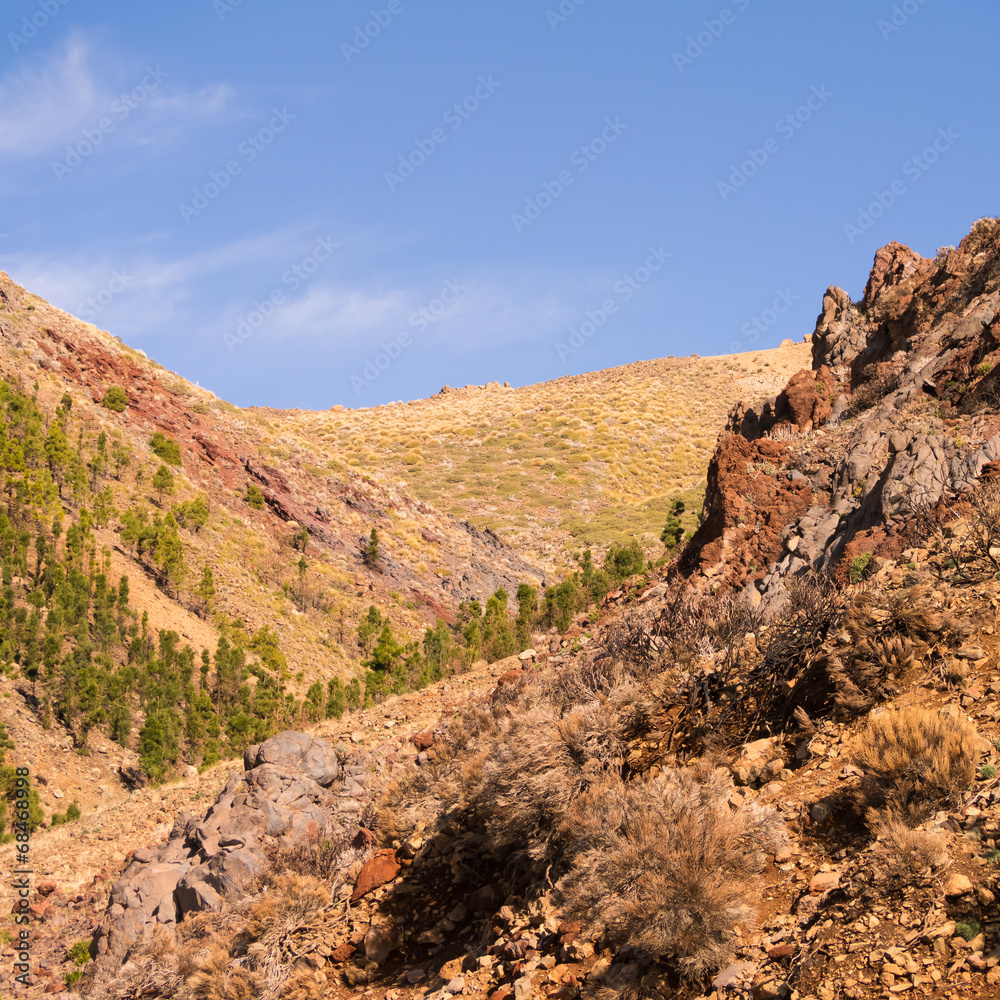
(581, 460)
(688, 792)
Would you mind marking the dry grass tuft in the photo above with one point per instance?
(911, 853)
(286, 899)
(215, 978)
(914, 760)
(666, 866)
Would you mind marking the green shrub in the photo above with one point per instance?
(968, 929)
(165, 448)
(79, 953)
(860, 567)
(254, 497)
(116, 398)
(986, 772)
(623, 561)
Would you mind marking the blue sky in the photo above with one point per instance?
(316, 203)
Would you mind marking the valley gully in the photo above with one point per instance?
(20, 883)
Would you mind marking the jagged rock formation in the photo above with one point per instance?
(294, 791)
(899, 411)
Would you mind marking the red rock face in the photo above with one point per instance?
(749, 501)
(807, 401)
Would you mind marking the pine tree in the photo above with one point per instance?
(368, 627)
(163, 482)
(370, 550)
(121, 457)
(673, 529)
(170, 552)
(206, 588)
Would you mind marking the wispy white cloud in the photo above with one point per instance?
(335, 311)
(51, 101)
(41, 107)
(197, 292)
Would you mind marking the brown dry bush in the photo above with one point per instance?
(523, 780)
(285, 900)
(666, 867)
(914, 760)
(873, 388)
(216, 978)
(910, 855)
(982, 537)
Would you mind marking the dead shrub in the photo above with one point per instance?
(910, 854)
(666, 866)
(326, 860)
(875, 382)
(982, 536)
(524, 779)
(286, 899)
(303, 987)
(914, 760)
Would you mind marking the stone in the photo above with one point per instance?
(824, 881)
(522, 988)
(970, 653)
(771, 989)
(423, 741)
(957, 885)
(731, 974)
(821, 813)
(207, 859)
(484, 899)
(381, 942)
(376, 872)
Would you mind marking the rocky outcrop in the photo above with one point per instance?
(841, 331)
(901, 411)
(293, 791)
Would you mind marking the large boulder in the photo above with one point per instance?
(291, 792)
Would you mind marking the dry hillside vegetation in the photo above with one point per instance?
(762, 767)
(585, 459)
